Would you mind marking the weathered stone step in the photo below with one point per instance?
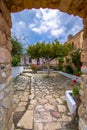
(27, 71)
(26, 121)
(27, 74)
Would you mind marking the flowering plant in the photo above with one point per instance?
(34, 67)
(75, 87)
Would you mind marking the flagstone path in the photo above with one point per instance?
(40, 104)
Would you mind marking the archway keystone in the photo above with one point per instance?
(6, 7)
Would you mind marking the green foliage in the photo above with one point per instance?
(15, 61)
(69, 69)
(75, 91)
(60, 67)
(46, 50)
(49, 51)
(61, 60)
(17, 48)
(54, 67)
(76, 58)
(78, 72)
(67, 48)
(68, 60)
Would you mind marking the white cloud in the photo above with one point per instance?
(46, 20)
(32, 25)
(76, 28)
(19, 29)
(21, 24)
(47, 24)
(57, 32)
(40, 30)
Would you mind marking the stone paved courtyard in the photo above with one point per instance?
(40, 104)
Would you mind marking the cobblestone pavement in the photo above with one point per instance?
(41, 105)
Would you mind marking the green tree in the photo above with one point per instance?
(76, 58)
(49, 51)
(67, 48)
(15, 61)
(17, 47)
(17, 50)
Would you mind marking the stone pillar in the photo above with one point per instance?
(83, 91)
(5, 69)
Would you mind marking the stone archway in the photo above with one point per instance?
(8, 6)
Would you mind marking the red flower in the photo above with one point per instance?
(77, 74)
(74, 81)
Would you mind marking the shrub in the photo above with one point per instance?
(78, 72)
(54, 67)
(68, 60)
(75, 87)
(60, 67)
(76, 58)
(61, 59)
(75, 91)
(15, 61)
(69, 69)
(34, 68)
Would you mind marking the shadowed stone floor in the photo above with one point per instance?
(41, 105)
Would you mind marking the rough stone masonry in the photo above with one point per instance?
(5, 69)
(8, 6)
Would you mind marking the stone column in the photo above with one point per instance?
(5, 69)
(83, 91)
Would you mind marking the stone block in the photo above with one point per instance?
(82, 124)
(9, 45)
(38, 126)
(5, 56)
(4, 26)
(62, 108)
(52, 126)
(26, 121)
(7, 102)
(3, 39)
(65, 5)
(66, 118)
(28, 2)
(10, 124)
(45, 116)
(5, 12)
(20, 109)
(2, 86)
(9, 113)
(36, 4)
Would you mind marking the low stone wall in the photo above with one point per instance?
(6, 95)
(17, 71)
(78, 79)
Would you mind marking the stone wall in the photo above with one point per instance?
(68, 6)
(83, 91)
(76, 40)
(5, 69)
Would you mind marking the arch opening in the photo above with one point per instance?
(6, 7)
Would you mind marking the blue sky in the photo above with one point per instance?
(30, 26)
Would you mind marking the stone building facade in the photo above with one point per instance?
(76, 40)
(6, 7)
(27, 61)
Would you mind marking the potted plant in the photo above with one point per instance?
(34, 67)
(73, 98)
